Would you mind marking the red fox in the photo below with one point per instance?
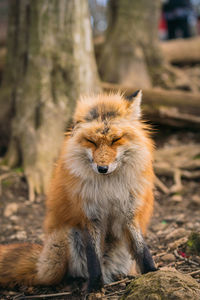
(99, 202)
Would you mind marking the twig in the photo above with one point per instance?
(194, 273)
(177, 187)
(179, 263)
(44, 296)
(113, 293)
(191, 175)
(117, 282)
(193, 262)
(161, 186)
(172, 264)
(159, 254)
(17, 296)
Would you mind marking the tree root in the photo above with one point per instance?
(177, 162)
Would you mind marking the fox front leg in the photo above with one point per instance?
(140, 250)
(93, 262)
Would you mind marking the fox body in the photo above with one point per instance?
(99, 202)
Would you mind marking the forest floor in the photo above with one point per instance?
(175, 217)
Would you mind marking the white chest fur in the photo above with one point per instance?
(111, 197)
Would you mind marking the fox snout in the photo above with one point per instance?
(104, 160)
(105, 169)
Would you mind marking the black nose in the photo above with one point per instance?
(102, 169)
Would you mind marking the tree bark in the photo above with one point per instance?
(131, 53)
(50, 63)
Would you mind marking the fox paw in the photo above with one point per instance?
(95, 285)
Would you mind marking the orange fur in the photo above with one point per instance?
(108, 133)
(18, 264)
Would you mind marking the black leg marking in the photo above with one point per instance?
(145, 261)
(94, 268)
(140, 251)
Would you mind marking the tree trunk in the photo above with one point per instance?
(131, 53)
(50, 63)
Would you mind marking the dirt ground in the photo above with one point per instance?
(175, 217)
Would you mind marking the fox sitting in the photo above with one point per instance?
(99, 202)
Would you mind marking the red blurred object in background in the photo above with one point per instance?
(162, 28)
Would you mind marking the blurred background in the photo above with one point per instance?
(51, 52)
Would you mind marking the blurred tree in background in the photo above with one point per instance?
(50, 62)
(131, 53)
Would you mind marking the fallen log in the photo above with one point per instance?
(172, 117)
(182, 51)
(187, 101)
(178, 51)
(173, 108)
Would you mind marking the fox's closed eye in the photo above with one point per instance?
(116, 140)
(90, 141)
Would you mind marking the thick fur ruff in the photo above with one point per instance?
(101, 191)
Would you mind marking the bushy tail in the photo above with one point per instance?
(18, 264)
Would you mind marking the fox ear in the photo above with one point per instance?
(135, 100)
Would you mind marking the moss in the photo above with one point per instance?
(7, 183)
(137, 290)
(163, 285)
(193, 244)
(178, 193)
(4, 162)
(19, 170)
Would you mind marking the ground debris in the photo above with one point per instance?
(177, 162)
(172, 223)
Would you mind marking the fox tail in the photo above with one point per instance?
(18, 264)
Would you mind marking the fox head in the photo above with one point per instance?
(107, 135)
